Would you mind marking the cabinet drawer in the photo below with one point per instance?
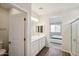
(43, 42)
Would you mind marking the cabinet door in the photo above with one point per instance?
(34, 48)
(74, 38)
(42, 42)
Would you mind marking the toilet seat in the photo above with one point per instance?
(2, 52)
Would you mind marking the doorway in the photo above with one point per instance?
(12, 30)
(55, 25)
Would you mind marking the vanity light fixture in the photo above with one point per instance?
(34, 19)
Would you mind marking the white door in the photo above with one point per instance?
(74, 38)
(16, 35)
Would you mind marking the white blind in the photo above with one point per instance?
(55, 28)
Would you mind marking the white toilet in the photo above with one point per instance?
(2, 51)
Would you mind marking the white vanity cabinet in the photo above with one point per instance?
(34, 47)
(42, 42)
(37, 45)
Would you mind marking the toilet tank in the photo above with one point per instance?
(1, 45)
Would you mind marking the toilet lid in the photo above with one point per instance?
(2, 51)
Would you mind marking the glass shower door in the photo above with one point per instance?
(74, 38)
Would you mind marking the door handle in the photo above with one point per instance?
(24, 39)
(9, 42)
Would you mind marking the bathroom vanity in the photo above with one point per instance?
(37, 44)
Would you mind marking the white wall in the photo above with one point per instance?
(34, 24)
(4, 17)
(44, 20)
(69, 16)
(66, 33)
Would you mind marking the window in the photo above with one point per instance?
(55, 28)
(52, 28)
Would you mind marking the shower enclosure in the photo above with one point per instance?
(75, 37)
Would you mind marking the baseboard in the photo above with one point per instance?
(67, 51)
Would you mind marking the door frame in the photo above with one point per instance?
(28, 32)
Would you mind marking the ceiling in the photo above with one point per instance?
(56, 19)
(51, 8)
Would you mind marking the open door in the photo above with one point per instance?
(16, 34)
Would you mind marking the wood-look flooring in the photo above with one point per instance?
(52, 51)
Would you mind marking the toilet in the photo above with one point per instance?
(2, 51)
